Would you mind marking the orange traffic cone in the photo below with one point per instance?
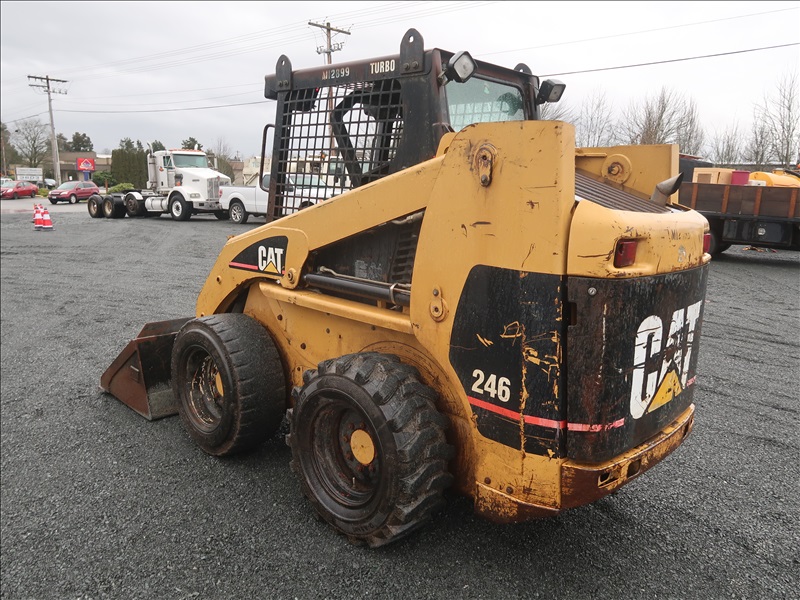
(37, 217)
(47, 224)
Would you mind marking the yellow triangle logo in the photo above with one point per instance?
(669, 388)
(271, 268)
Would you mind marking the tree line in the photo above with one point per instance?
(668, 117)
(665, 117)
(30, 145)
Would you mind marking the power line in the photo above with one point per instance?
(547, 75)
(155, 110)
(630, 33)
(673, 60)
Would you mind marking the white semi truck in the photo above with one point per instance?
(180, 183)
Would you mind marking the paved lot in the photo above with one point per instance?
(99, 503)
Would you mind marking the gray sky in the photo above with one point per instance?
(143, 69)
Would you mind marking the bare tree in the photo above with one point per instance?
(780, 115)
(726, 148)
(594, 124)
(757, 150)
(222, 149)
(10, 155)
(556, 111)
(32, 141)
(666, 118)
(222, 153)
(691, 136)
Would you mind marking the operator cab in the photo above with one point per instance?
(366, 120)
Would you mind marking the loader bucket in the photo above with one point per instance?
(140, 376)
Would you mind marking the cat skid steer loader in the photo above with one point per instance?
(481, 306)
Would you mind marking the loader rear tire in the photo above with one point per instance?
(369, 447)
(228, 381)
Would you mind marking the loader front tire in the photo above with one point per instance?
(228, 381)
(369, 447)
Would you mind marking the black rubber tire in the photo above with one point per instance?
(717, 247)
(73, 199)
(398, 482)
(95, 206)
(15, 196)
(180, 209)
(112, 210)
(134, 208)
(53, 201)
(221, 215)
(237, 213)
(235, 352)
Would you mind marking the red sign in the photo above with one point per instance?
(86, 164)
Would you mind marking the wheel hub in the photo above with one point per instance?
(362, 446)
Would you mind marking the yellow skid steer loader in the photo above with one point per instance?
(479, 305)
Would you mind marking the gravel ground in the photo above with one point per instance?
(99, 503)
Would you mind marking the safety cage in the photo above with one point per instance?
(343, 126)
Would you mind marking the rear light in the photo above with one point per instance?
(625, 253)
(707, 243)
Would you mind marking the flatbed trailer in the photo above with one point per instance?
(759, 216)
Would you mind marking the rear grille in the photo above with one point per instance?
(606, 195)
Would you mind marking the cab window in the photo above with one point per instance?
(481, 101)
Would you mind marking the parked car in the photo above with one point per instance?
(72, 191)
(19, 189)
(47, 183)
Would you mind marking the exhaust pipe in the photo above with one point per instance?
(665, 189)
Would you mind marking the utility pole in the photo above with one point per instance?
(328, 50)
(46, 86)
(5, 162)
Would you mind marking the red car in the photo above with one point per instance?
(19, 189)
(72, 191)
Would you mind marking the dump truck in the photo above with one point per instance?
(487, 309)
(759, 209)
(180, 183)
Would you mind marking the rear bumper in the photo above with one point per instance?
(584, 483)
